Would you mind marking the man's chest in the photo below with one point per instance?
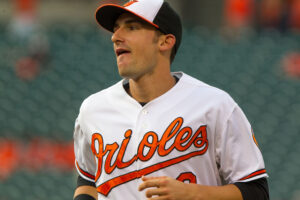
(126, 149)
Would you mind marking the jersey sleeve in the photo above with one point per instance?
(238, 155)
(84, 158)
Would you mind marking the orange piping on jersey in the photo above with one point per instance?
(254, 139)
(253, 136)
(114, 5)
(259, 172)
(84, 172)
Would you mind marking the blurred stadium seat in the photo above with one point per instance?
(82, 62)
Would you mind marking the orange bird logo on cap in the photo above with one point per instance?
(130, 3)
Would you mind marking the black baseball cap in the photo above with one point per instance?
(156, 12)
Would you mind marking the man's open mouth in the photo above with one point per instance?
(121, 51)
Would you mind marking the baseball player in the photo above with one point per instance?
(158, 134)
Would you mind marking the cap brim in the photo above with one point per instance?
(107, 14)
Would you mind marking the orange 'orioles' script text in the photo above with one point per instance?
(183, 138)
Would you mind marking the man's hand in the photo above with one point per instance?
(166, 188)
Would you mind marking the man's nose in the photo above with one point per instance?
(116, 36)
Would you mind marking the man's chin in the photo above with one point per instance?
(124, 74)
(124, 69)
(127, 74)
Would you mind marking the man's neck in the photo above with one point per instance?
(151, 87)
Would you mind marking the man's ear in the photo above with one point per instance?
(167, 42)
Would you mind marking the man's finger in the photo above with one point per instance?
(149, 183)
(156, 192)
(146, 178)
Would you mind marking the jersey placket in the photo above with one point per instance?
(142, 127)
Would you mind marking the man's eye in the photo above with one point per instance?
(132, 27)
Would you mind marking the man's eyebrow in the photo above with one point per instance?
(134, 21)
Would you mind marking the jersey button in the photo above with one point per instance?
(145, 112)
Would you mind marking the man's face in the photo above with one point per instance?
(136, 46)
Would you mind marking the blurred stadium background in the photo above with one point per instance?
(53, 55)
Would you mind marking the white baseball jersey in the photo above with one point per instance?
(194, 133)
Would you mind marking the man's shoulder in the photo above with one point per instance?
(201, 90)
(201, 86)
(99, 98)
